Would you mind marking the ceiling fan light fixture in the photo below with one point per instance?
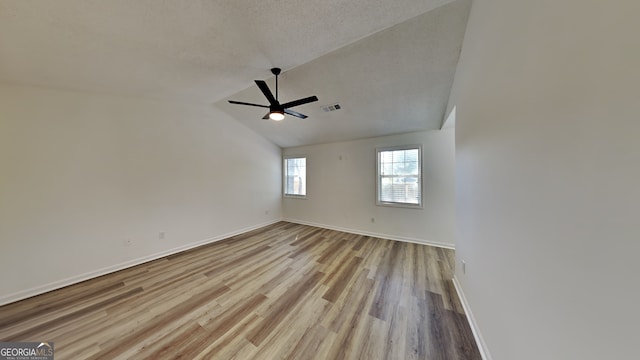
(277, 110)
(276, 115)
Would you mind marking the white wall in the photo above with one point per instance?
(341, 189)
(81, 173)
(548, 175)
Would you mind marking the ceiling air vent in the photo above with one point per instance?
(332, 107)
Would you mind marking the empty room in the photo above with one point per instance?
(414, 179)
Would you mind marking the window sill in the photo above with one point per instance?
(302, 197)
(399, 205)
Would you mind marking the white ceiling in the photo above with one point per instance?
(390, 64)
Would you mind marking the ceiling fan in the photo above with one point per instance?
(277, 110)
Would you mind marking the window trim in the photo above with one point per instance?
(284, 176)
(420, 165)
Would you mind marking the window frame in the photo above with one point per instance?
(285, 174)
(379, 202)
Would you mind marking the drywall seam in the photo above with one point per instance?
(20, 295)
(378, 235)
(482, 346)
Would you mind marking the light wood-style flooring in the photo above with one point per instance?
(286, 291)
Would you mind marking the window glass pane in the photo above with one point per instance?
(398, 168)
(386, 156)
(411, 155)
(387, 169)
(398, 156)
(410, 168)
(386, 185)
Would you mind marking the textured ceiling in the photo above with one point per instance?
(390, 66)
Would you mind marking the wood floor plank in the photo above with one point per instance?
(282, 307)
(343, 278)
(285, 291)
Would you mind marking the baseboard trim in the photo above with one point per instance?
(482, 346)
(368, 233)
(38, 290)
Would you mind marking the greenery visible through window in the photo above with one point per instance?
(399, 176)
(295, 176)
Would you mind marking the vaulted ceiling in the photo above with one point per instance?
(389, 64)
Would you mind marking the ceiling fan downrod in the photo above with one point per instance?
(276, 71)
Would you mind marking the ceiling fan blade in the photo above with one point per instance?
(245, 103)
(266, 117)
(267, 93)
(294, 113)
(300, 102)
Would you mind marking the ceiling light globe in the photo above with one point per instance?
(276, 116)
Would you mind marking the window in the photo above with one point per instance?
(399, 176)
(295, 176)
